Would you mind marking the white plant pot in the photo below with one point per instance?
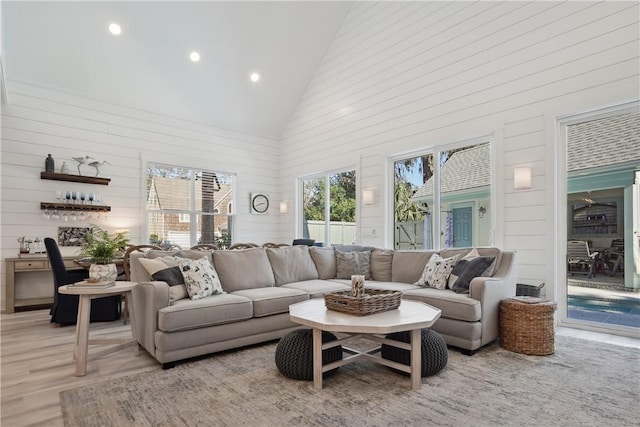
(103, 272)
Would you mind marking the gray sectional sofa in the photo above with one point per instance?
(260, 284)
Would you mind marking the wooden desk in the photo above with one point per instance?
(81, 349)
(34, 267)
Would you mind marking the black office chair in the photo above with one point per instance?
(304, 242)
(65, 307)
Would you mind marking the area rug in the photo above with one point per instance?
(584, 383)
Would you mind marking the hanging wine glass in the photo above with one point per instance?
(58, 195)
(67, 196)
(56, 214)
(82, 197)
(74, 196)
(91, 197)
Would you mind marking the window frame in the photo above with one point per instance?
(327, 208)
(192, 212)
(435, 151)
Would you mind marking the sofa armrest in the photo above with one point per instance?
(148, 299)
(490, 291)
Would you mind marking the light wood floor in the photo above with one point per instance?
(36, 363)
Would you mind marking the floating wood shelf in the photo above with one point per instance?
(74, 178)
(66, 207)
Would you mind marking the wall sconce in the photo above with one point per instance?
(284, 207)
(368, 197)
(522, 177)
(481, 211)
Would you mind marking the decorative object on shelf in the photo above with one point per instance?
(25, 245)
(82, 161)
(102, 247)
(64, 168)
(49, 164)
(73, 236)
(357, 285)
(96, 164)
(259, 203)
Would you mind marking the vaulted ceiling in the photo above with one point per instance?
(67, 46)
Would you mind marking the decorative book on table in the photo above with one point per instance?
(94, 285)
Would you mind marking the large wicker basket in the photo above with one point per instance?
(526, 325)
(373, 301)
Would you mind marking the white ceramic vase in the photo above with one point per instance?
(103, 272)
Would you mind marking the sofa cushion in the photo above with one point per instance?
(381, 264)
(272, 300)
(437, 271)
(453, 306)
(407, 266)
(165, 269)
(243, 269)
(200, 278)
(291, 264)
(191, 254)
(350, 263)
(465, 270)
(352, 248)
(325, 261)
(216, 310)
(317, 288)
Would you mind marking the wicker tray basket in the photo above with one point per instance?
(374, 301)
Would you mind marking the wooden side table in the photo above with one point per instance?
(526, 325)
(81, 349)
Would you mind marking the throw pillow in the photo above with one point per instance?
(465, 270)
(165, 269)
(437, 271)
(350, 263)
(200, 278)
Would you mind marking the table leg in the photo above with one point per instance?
(128, 302)
(416, 359)
(82, 328)
(317, 358)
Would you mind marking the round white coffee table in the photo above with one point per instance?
(86, 294)
(410, 316)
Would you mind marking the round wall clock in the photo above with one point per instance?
(259, 203)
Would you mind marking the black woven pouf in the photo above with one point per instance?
(434, 351)
(294, 354)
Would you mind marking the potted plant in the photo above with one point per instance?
(101, 247)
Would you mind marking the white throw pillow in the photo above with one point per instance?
(200, 278)
(437, 271)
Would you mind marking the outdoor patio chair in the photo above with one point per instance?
(615, 257)
(580, 259)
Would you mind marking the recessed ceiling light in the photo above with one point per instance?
(115, 29)
(254, 77)
(195, 56)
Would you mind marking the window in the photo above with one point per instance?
(329, 208)
(186, 206)
(443, 203)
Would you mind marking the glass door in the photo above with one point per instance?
(603, 171)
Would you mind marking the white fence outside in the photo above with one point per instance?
(339, 232)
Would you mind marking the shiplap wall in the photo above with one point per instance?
(41, 121)
(406, 76)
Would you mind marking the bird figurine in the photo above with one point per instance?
(96, 164)
(83, 160)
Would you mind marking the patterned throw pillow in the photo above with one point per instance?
(165, 269)
(465, 270)
(349, 263)
(437, 271)
(200, 278)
